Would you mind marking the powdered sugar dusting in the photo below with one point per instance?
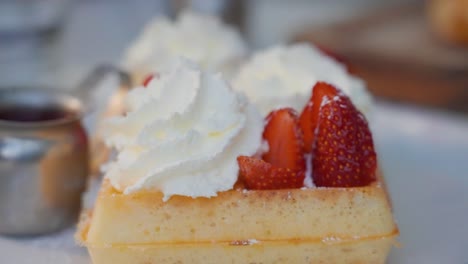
(325, 101)
(331, 240)
(308, 174)
(247, 242)
(253, 241)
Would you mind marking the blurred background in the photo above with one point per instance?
(407, 50)
(413, 54)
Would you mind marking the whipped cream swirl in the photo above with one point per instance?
(182, 135)
(203, 39)
(283, 76)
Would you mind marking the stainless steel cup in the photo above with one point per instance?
(43, 160)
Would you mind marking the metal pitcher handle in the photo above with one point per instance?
(101, 107)
(86, 88)
(96, 93)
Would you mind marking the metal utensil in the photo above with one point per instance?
(44, 154)
(43, 160)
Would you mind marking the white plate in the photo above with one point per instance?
(424, 156)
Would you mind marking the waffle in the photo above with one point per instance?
(308, 225)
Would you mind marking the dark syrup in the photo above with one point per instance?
(33, 114)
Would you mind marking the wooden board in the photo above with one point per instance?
(399, 57)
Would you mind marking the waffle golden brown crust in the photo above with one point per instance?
(318, 225)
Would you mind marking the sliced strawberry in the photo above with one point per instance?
(285, 140)
(149, 78)
(343, 155)
(310, 114)
(283, 165)
(260, 175)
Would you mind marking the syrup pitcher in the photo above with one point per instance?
(45, 154)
